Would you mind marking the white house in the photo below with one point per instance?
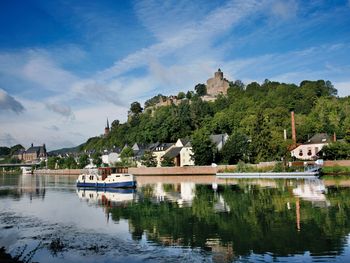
(310, 149)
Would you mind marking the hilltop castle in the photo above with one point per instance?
(217, 85)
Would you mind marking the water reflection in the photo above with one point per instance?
(226, 220)
(106, 197)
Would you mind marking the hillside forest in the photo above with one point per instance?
(253, 115)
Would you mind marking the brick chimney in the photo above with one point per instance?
(294, 135)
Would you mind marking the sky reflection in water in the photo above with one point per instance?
(176, 219)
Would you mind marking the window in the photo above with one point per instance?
(309, 153)
(83, 177)
(300, 152)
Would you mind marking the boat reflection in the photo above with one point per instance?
(107, 196)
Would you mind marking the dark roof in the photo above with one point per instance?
(34, 149)
(173, 152)
(217, 138)
(319, 138)
(184, 141)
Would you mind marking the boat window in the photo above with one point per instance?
(117, 176)
(301, 153)
(127, 175)
(83, 177)
(309, 152)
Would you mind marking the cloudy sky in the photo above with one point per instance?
(65, 65)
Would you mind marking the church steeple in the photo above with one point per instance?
(107, 128)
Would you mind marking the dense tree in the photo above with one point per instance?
(259, 111)
(236, 148)
(83, 161)
(115, 124)
(336, 150)
(201, 89)
(70, 162)
(96, 159)
(135, 108)
(4, 151)
(51, 162)
(189, 95)
(203, 148)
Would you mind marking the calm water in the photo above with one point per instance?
(176, 219)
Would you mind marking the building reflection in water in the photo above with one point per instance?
(32, 185)
(297, 196)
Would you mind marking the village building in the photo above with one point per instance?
(32, 154)
(160, 150)
(310, 149)
(111, 157)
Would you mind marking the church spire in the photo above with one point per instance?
(107, 128)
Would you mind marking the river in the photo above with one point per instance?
(176, 219)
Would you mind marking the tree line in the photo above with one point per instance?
(254, 115)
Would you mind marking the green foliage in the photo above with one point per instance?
(203, 148)
(135, 107)
(16, 148)
(236, 148)
(70, 163)
(153, 101)
(127, 152)
(148, 159)
(96, 159)
(167, 162)
(200, 89)
(83, 161)
(51, 162)
(336, 151)
(4, 151)
(258, 112)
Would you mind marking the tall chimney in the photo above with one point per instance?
(294, 135)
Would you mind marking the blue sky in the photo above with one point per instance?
(65, 66)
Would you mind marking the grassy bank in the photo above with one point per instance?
(341, 170)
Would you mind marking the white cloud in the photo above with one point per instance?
(6, 139)
(9, 103)
(285, 8)
(216, 23)
(63, 110)
(343, 88)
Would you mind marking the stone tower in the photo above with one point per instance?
(217, 85)
(107, 128)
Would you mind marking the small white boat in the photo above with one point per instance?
(26, 170)
(107, 177)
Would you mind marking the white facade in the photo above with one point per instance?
(186, 156)
(111, 158)
(307, 151)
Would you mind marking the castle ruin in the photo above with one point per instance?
(217, 85)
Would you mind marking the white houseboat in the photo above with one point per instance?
(107, 177)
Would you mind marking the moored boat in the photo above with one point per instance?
(107, 177)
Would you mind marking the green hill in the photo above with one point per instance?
(255, 115)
